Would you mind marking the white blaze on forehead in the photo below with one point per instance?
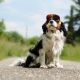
(54, 23)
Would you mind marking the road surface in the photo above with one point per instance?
(71, 71)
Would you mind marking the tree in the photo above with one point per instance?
(2, 27)
(77, 18)
(33, 40)
(77, 10)
(74, 18)
(1, 1)
(70, 22)
(14, 36)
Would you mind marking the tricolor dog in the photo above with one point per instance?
(47, 51)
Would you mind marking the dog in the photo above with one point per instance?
(53, 42)
(54, 34)
(46, 53)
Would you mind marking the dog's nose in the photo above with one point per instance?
(51, 22)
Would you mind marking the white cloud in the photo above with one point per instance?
(37, 18)
(16, 26)
(25, 31)
(8, 1)
(61, 4)
(36, 28)
(10, 10)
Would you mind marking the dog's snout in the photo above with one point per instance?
(51, 22)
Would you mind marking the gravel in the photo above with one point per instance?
(71, 71)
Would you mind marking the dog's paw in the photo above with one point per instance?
(43, 66)
(51, 65)
(59, 66)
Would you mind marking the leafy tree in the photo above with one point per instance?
(33, 40)
(77, 18)
(73, 19)
(2, 27)
(1, 1)
(77, 10)
(70, 22)
(15, 37)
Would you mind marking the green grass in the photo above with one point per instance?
(9, 49)
(71, 53)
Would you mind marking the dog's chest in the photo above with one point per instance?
(47, 44)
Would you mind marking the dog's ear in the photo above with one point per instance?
(44, 28)
(62, 28)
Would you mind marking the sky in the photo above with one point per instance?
(27, 16)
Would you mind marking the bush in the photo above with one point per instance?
(32, 41)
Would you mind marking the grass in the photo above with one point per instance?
(71, 53)
(9, 49)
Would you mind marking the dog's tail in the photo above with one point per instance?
(17, 62)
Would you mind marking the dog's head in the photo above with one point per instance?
(51, 26)
(55, 20)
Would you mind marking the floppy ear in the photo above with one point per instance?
(62, 28)
(44, 28)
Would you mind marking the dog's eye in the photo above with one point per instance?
(57, 21)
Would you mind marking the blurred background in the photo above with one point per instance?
(21, 26)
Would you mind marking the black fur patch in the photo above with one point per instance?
(44, 28)
(62, 28)
(28, 61)
(35, 50)
(36, 66)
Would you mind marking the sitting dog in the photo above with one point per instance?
(53, 42)
(46, 53)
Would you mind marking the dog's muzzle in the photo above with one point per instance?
(51, 22)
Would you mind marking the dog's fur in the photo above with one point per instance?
(46, 53)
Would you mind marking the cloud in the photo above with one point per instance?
(37, 18)
(61, 4)
(16, 26)
(21, 28)
(8, 1)
(36, 28)
(34, 24)
(11, 10)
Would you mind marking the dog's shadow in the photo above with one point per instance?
(35, 66)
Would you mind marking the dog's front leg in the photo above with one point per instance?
(52, 63)
(58, 65)
(42, 58)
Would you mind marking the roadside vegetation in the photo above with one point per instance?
(71, 52)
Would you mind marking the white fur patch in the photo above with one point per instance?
(17, 62)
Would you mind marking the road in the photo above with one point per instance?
(71, 71)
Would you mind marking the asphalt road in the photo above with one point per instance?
(71, 71)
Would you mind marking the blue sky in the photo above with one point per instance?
(27, 16)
